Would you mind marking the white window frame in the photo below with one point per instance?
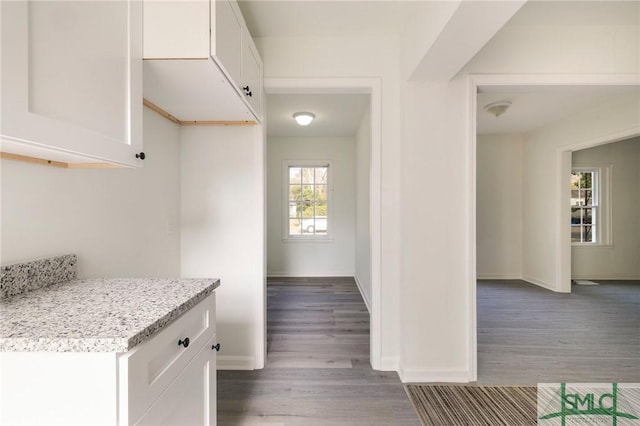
(328, 236)
(601, 203)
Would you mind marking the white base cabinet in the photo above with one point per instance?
(190, 400)
(159, 382)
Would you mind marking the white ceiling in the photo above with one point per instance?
(293, 18)
(537, 106)
(337, 115)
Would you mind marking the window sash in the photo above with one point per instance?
(307, 199)
(584, 206)
(583, 229)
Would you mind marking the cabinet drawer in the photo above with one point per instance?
(153, 365)
(190, 400)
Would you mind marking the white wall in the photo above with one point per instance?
(435, 233)
(120, 222)
(222, 221)
(500, 213)
(363, 231)
(542, 176)
(619, 260)
(357, 57)
(499, 206)
(437, 146)
(334, 257)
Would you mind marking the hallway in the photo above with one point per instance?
(317, 370)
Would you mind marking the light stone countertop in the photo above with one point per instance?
(96, 315)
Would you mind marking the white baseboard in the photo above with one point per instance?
(442, 375)
(363, 294)
(606, 277)
(309, 275)
(539, 282)
(235, 362)
(491, 276)
(389, 363)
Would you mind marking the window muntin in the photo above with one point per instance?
(307, 200)
(584, 206)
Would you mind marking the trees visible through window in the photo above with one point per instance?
(584, 205)
(307, 200)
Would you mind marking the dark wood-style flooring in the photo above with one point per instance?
(317, 370)
(529, 335)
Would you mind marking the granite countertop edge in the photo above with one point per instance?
(117, 344)
(164, 321)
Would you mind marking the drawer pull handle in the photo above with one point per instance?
(216, 347)
(184, 342)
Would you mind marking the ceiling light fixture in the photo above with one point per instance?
(497, 108)
(303, 118)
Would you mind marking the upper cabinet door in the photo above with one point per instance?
(72, 80)
(251, 74)
(226, 38)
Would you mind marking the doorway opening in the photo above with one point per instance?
(535, 247)
(294, 252)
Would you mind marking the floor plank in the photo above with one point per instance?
(527, 334)
(317, 370)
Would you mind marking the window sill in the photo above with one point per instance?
(308, 240)
(591, 245)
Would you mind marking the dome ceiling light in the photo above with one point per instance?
(303, 118)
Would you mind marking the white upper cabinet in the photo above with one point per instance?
(72, 80)
(226, 38)
(196, 61)
(251, 80)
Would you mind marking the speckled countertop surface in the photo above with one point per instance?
(96, 315)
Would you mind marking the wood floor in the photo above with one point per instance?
(317, 370)
(527, 334)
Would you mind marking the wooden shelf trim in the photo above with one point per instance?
(154, 107)
(59, 164)
(148, 104)
(176, 120)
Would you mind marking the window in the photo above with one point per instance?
(585, 216)
(307, 195)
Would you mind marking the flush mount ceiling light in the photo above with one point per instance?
(497, 108)
(303, 118)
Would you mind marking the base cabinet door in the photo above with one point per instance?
(191, 398)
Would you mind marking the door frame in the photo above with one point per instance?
(562, 246)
